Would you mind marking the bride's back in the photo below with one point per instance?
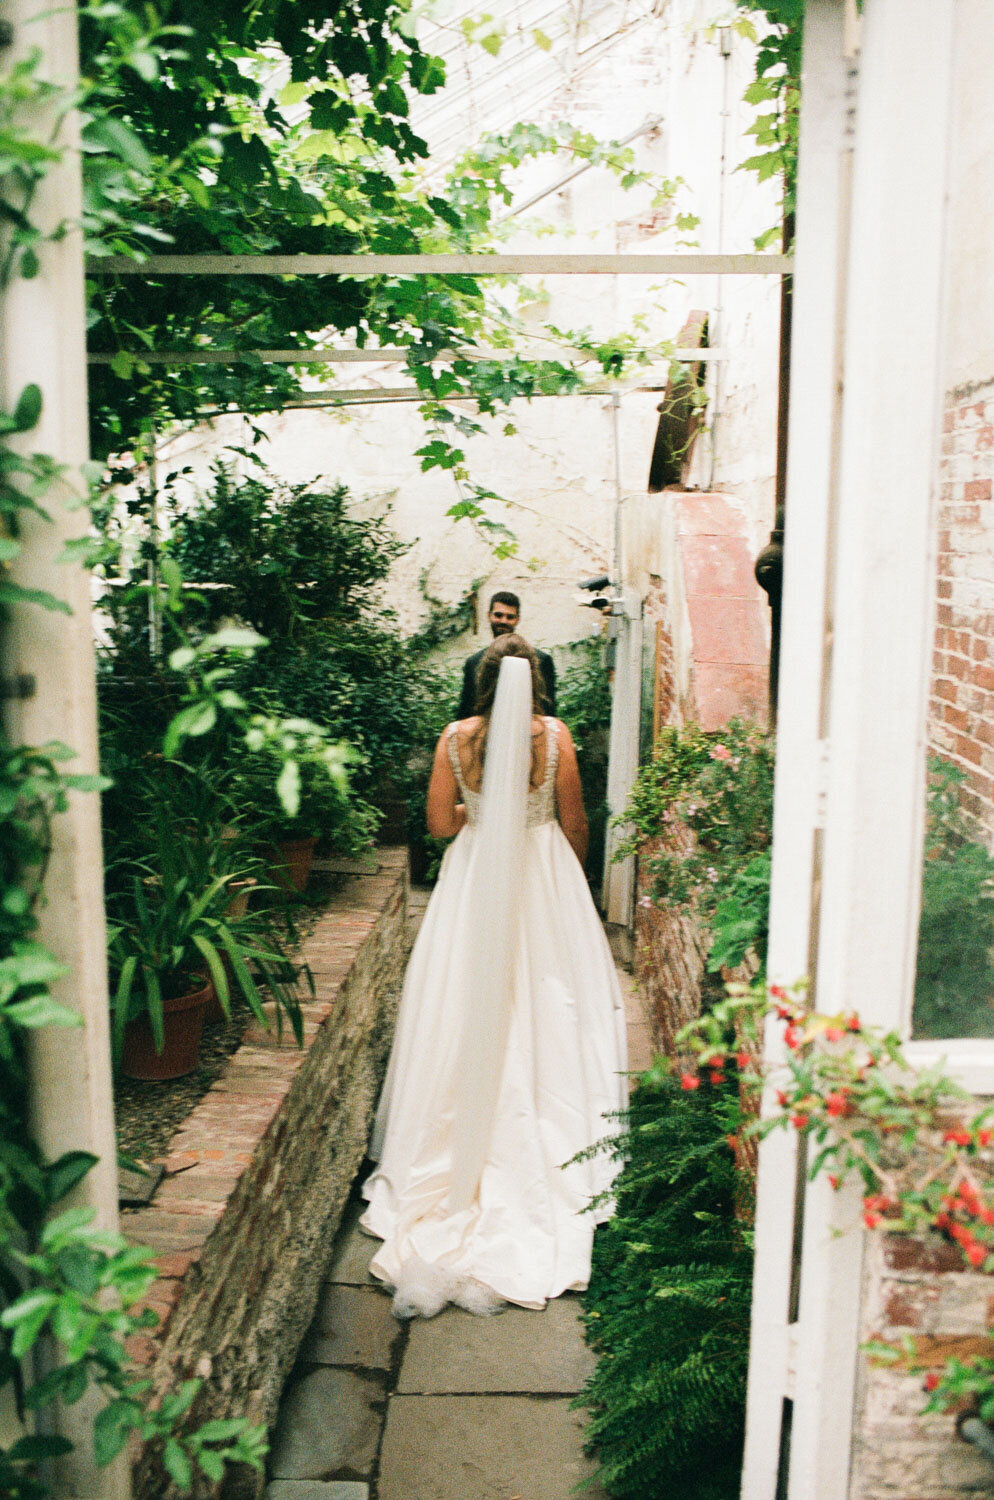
(470, 737)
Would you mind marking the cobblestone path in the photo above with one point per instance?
(454, 1408)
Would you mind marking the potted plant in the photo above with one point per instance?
(171, 939)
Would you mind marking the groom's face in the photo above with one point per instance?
(503, 619)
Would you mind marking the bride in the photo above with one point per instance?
(510, 1044)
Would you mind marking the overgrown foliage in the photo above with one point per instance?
(667, 1310)
(719, 787)
(922, 1150)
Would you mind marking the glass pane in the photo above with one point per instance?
(954, 990)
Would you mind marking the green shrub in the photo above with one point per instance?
(583, 702)
(667, 1309)
(954, 983)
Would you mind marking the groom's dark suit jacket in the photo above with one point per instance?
(467, 698)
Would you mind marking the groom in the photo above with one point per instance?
(503, 613)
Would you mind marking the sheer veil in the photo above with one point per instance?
(492, 898)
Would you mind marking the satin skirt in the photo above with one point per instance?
(525, 1237)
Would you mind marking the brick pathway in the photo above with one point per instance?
(455, 1408)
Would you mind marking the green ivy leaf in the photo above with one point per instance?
(190, 723)
(28, 408)
(177, 1465)
(288, 788)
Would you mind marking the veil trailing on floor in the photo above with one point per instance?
(494, 887)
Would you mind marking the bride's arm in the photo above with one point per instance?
(569, 794)
(446, 814)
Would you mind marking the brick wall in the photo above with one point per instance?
(961, 707)
(259, 1174)
(917, 1288)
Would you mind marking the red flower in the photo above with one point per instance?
(834, 1033)
(870, 1219)
(782, 1099)
(838, 1104)
(987, 1216)
(931, 1381)
(733, 1141)
(958, 1137)
(778, 992)
(984, 1137)
(742, 1059)
(689, 1081)
(792, 1036)
(852, 1022)
(833, 1181)
(976, 1254)
(799, 1121)
(716, 1076)
(942, 1221)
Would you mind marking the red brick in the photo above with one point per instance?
(945, 689)
(932, 1255)
(968, 749)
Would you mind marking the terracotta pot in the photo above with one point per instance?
(240, 892)
(183, 1020)
(213, 1010)
(292, 862)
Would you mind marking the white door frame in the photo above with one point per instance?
(857, 615)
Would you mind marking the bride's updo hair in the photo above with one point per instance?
(489, 670)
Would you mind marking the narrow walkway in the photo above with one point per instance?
(455, 1408)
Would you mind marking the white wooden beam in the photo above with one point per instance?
(815, 396)
(687, 263)
(882, 587)
(386, 356)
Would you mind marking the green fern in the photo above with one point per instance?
(667, 1310)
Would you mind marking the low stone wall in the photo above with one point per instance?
(917, 1288)
(259, 1174)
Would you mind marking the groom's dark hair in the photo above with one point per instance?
(504, 596)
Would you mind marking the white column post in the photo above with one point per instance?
(881, 615)
(42, 340)
(815, 395)
(623, 752)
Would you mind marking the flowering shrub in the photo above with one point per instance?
(720, 787)
(924, 1153)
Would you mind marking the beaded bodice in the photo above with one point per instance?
(541, 799)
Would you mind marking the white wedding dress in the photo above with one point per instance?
(509, 1054)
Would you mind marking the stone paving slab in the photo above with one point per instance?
(483, 1448)
(316, 1489)
(353, 1252)
(329, 1421)
(517, 1351)
(352, 1326)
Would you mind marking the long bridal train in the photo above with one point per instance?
(509, 1056)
